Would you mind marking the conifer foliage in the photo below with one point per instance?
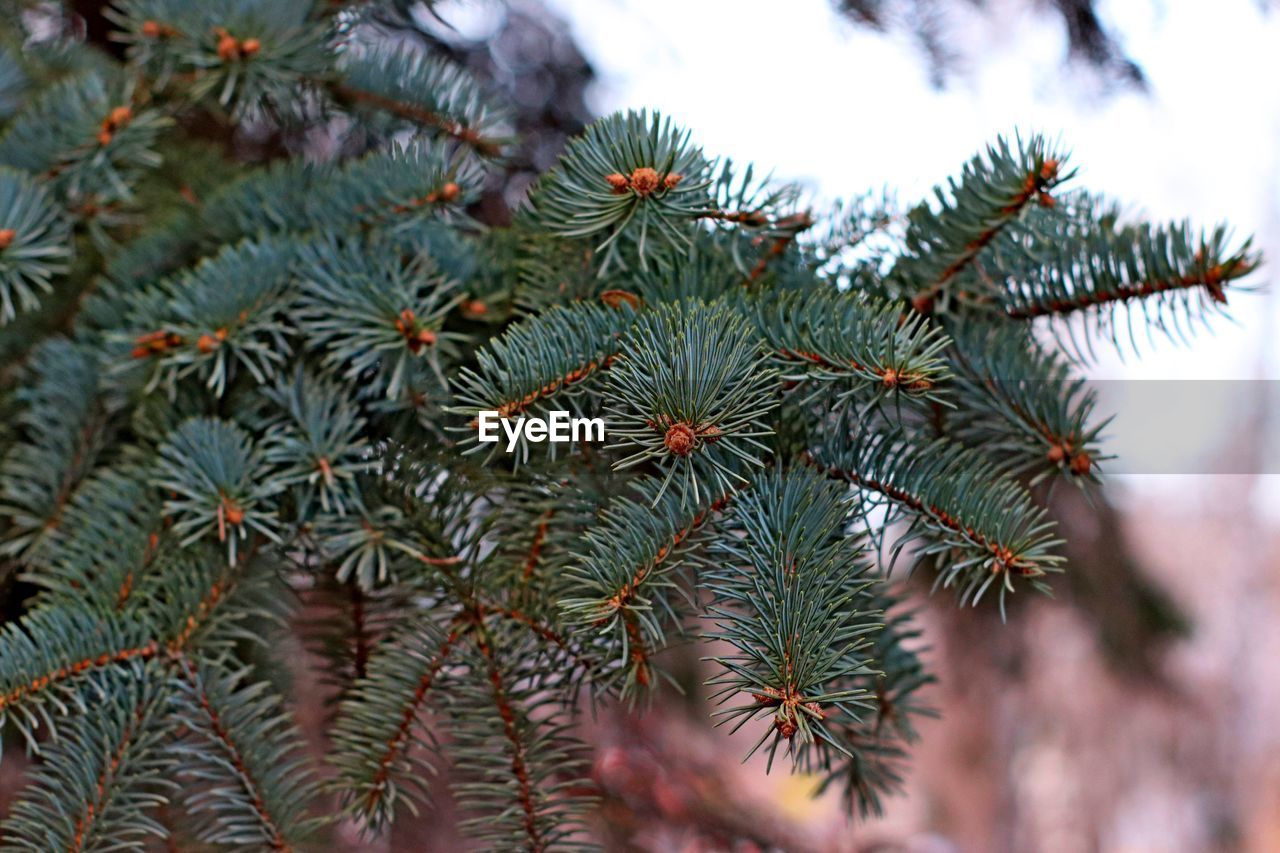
(236, 391)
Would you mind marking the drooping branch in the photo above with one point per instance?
(519, 748)
(409, 713)
(236, 757)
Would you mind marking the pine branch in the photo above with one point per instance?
(393, 188)
(786, 599)
(190, 601)
(219, 482)
(634, 175)
(524, 778)
(372, 315)
(246, 58)
(316, 441)
(875, 747)
(247, 782)
(374, 732)
(1081, 259)
(420, 89)
(689, 393)
(223, 316)
(285, 367)
(85, 136)
(103, 546)
(554, 355)
(994, 189)
(112, 765)
(35, 243)
(63, 424)
(978, 524)
(1015, 400)
(49, 653)
(826, 335)
(623, 595)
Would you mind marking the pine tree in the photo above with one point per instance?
(234, 383)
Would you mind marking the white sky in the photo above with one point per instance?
(795, 87)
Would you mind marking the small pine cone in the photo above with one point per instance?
(672, 179)
(1057, 453)
(644, 181)
(786, 726)
(680, 439)
(151, 29)
(120, 116)
(250, 47)
(207, 343)
(618, 182)
(1081, 463)
(6, 237)
(449, 191)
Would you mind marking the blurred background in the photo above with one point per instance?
(1138, 710)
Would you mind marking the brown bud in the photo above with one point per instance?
(618, 183)
(616, 298)
(207, 343)
(475, 307)
(923, 304)
(1057, 453)
(889, 379)
(786, 727)
(235, 515)
(228, 48)
(405, 322)
(104, 136)
(1081, 463)
(120, 116)
(6, 237)
(644, 181)
(151, 29)
(449, 191)
(424, 338)
(672, 179)
(680, 439)
(1049, 170)
(250, 47)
